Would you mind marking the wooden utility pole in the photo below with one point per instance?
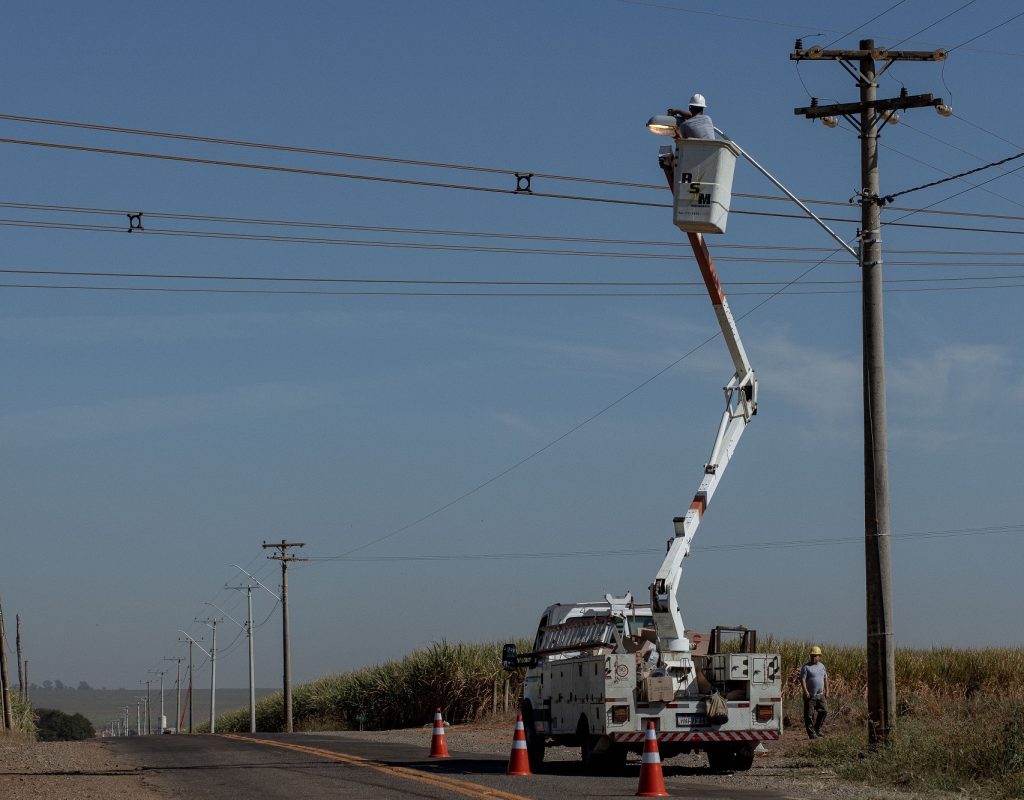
(5, 683)
(177, 693)
(868, 117)
(17, 647)
(285, 559)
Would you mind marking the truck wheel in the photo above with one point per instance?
(743, 758)
(534, 740)
(731, 759)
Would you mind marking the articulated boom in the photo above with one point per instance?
(740, 406)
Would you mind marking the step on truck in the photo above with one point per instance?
(599, 672)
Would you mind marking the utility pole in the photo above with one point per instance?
(252, 674)
(5, 683)
(285, 559)
(126, 720)
(149, 716)
(868, 117)
(138, 716)
(212, 623)
(191, 694)
(177, 694)
(161, 722)
(17, 647)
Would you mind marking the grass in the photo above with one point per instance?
(959, 725)
(23, 717)
(458, 678)
(960, 713)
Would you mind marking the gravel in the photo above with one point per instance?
(67, 771)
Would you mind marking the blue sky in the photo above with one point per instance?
(150, 440)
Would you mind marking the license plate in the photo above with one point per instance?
(691, 720)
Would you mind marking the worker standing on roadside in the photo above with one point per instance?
(814, 680)
(694, 123)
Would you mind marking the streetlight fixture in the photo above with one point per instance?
(663, 125)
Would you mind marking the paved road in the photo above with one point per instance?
(314, 766)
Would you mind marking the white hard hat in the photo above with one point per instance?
(698, 101)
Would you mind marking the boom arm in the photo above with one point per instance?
(740, 406)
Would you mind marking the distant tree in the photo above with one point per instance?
(47, 685)
(33, 687)
(59, 685)
(84, 687)
(56, 726)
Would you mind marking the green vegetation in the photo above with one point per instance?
(57, 726)
(23, 716)
(960, 724)
(960, 719)
(458, 678)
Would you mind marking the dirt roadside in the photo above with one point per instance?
(67, 771)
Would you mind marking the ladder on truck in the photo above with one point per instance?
(583, 633)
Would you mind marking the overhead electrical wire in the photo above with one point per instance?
(933, 24)
(894, 6)
(614, 553)
(986, 32)
(388, 159)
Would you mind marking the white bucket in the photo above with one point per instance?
(702, 185)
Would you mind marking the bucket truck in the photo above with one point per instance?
(599, 672)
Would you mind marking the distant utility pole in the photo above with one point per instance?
(5, 684)
(149, 722)
(191, 693)
(126, 720)
(864, 116)
(285, 560)
(138, 716)
(212, 623)
(161, 722)
(177, 694)
(17, 647)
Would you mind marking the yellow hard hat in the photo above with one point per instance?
(815, 651)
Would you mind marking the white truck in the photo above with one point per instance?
(599, 672)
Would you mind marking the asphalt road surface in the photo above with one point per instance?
(314, 766)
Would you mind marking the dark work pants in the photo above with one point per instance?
(817, 705)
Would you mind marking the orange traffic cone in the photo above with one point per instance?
(519, 760)
(652, 782)
(438, 744)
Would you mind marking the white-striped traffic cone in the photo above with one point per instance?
(438, 744)
(652, 782)
(519, 759)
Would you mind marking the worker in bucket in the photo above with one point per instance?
(694, 123)
(814, 680)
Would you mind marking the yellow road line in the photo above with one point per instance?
(467, 788)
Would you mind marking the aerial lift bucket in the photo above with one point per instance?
(702, 184)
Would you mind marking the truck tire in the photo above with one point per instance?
(611, 762)
(534, 741)
(730, 758)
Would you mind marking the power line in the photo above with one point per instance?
(894, 6)
(273, 222)
(932, 25)
(471, 282)
(985, 33)
(890, 197)
(479, 294)
(767, 545)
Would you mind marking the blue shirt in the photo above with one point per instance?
(815, 675)
(698, 126)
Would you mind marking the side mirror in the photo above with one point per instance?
(510, 657)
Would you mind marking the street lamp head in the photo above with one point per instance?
(943, 110)
(663, 125)
(891, 117)
(829, 122)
